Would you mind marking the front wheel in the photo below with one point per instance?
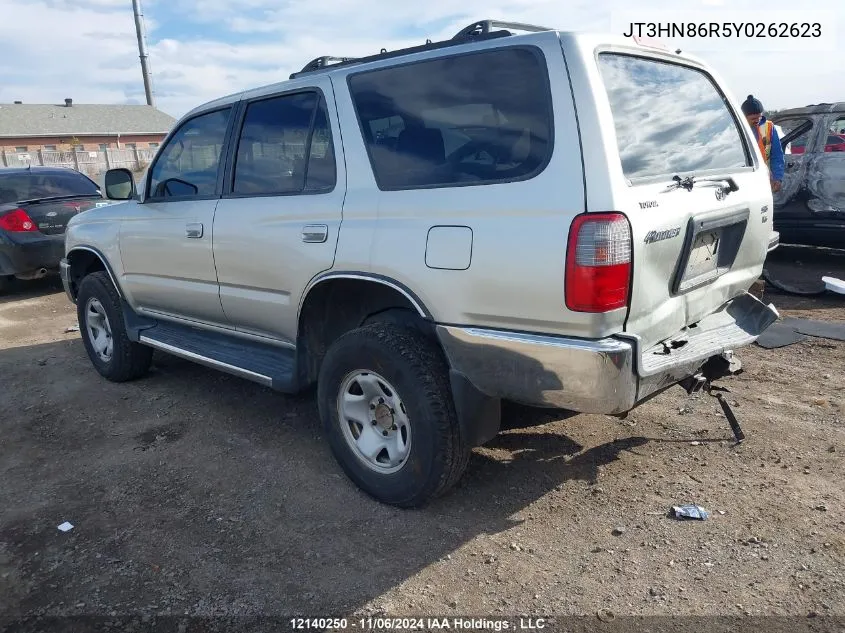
(103, 331)
(387, 409)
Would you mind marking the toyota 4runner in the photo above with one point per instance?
(555, 219)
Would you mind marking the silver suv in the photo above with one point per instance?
(555, 219)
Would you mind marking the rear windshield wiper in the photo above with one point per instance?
(728, 184)
(682, 183)
(51, 198)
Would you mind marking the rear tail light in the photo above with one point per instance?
(17, 221)
(598, 263)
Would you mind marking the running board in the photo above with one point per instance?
(271, 366)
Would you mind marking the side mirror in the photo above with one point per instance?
(120, 184)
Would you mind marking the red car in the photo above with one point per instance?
(835, 143)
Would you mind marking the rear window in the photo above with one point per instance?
(471, 119)
(669, 119)
(26, 185)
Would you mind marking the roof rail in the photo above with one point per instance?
(484, 27)
(476, 31)
(322, 62)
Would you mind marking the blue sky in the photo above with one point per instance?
(203, 49)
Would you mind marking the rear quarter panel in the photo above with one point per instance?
(515, 278)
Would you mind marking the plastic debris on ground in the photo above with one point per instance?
(690, 512)
(72, 328)
(792, 330)
(834, 285)
(66, 527)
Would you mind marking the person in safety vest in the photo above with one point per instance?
(767, 138)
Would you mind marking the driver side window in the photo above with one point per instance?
(187, 166)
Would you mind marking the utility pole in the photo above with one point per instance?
(142, 51)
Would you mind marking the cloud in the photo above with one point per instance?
(203, 49)
(668, 119)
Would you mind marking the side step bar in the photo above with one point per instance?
(268, 365)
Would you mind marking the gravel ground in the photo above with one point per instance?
(195, 493)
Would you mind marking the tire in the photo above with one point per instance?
(415, 371)
(126, 360)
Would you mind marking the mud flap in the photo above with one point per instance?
(479, 415)
(135, 323)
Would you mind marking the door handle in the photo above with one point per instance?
(193, 230)
(315, 233)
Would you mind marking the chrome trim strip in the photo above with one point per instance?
(208, 362)
(600, 345)
(364, 277)
(106, 265)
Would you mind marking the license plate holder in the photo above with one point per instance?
(710, 249)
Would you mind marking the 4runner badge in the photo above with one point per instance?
(657, 236)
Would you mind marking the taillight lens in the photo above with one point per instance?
(598, 263)
(17, 221)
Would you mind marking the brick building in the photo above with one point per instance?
(30, 128)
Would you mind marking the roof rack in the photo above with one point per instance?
(477, 31)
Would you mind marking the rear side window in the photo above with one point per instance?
(285, 147)
(669, 119)
(17, 187)
(472, 119)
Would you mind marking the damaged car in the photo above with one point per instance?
(809, 209)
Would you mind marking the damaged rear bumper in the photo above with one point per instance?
(609, 376)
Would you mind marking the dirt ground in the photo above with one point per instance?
(195, 493)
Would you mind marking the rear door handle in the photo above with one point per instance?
(193, 230)
(315, 233)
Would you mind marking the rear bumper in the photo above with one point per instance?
(24, 254)
(774, 241)
(608, 376)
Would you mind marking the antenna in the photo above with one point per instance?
(142, 51)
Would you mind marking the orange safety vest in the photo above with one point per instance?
(764, 140)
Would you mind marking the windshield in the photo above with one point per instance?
(669, 119)
(26, 185)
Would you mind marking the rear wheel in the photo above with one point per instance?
(103, 331)
(387, 409)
